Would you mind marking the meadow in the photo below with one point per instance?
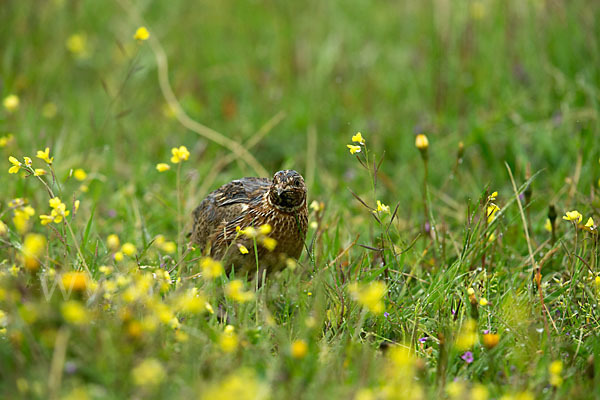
(452, 249)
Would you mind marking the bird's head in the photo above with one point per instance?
(288, 191)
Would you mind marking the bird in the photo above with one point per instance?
(250, 212)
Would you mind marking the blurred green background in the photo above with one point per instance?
(516, 81)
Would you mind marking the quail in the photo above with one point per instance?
(224, 218)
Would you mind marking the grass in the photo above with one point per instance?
(402, 303)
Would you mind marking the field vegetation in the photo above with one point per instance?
(451, 151)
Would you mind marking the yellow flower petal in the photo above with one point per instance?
(79, 174)
(11, 102)
(162, 167)
(421, 142)
(353, 149)
(299, 348)
(590, 223)
(14, 161)
(141, 34)
(269, 243)
(45, 155)
(573, 216)
(358, 138)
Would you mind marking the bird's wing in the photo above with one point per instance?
(240, 191)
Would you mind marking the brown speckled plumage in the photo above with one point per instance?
(280, 202)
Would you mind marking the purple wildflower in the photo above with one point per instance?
(467, 357)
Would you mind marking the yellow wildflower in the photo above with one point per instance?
(353, 148)
(243, 249)
(21, 218)
(55, 202)
(493, 196)
(11, 102)
(382, 207)
(467, 336)
(369, 295)
(358, 138)
(191, 301)
(556, 380)
(291, 263)
(229, 339)
(149, 372)
(59, 211)
(421, 142)
(479, 392)
(46, 219)
(28, 161)
(573, 216)
(179, 154)
(590, 223)
(80, 174)
(248, 232)
(16, 165)
(265, 229)
(74, 312)
(4, 140)
(492, 209)
(299, 348)
(556, 367)
(160, 240)
(548, 225)
(45, 155)
(112, 241)
(128, 249)
(456, 390)
(169, 247)
(162, 167)
(74, 280)
(483, 302)
(77, 44)
(317, 206)
(211, 268)
(119, 256)
(269, 243)
(28, 210)
(240, 385)
(34, 246)
(141, 34)
(235, 291)
(18, 202)
(555, 370)
(105, 269)
(39, 172)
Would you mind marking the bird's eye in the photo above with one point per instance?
(297, 182)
